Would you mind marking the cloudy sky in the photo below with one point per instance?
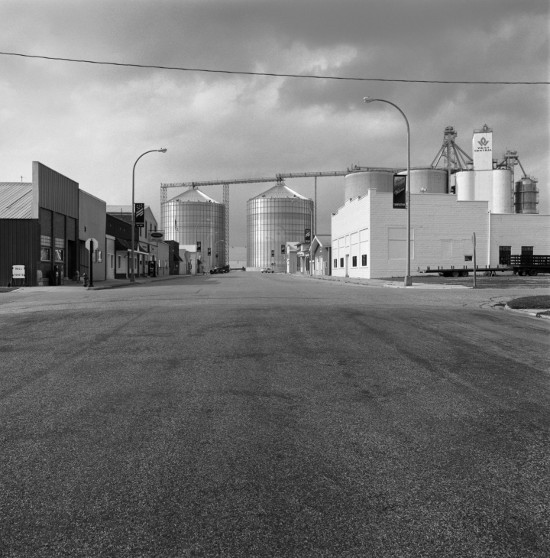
(91, 122)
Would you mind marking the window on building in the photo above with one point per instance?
(119, 262)
(45, 253)
(468, 258)
(364, 259)
(335, 262)
(341, 262)
(526, 250)
(504, 255)
(111, 260)
(354, 261)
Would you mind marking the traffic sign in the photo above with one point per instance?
(89, 242)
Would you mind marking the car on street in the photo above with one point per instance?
(267, 270)
(220, 269)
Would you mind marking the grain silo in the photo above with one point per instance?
(197, 221)
(275, 217)
(526, 195)
(357, 184)
(503, 191)
(428, 181)
(465, 185)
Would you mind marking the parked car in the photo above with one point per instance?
(220, 269)
(267, 270)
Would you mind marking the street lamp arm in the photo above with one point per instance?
(161, 150)
(369, 100)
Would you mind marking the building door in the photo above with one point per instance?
(71, 259)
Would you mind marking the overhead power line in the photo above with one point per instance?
(270, 74)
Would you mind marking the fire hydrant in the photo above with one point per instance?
(85, 279)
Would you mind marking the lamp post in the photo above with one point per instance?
(132, 256)
(408, 278)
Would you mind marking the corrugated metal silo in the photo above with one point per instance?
(195, 217)
(503, 197)
(359, 183)
(465, 186)
(275, 217)
(526, 196)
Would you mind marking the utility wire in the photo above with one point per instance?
(271, 74)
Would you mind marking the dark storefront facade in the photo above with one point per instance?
(45, 238)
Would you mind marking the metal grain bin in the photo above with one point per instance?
(193, 217)
(276, 217)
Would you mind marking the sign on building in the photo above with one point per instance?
(139, 212)
(18, 271)
(399, 191)
(307, 236)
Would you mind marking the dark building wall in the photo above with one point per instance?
(55, 191)
(19, 245)
(118, 227)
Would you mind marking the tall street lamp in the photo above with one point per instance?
(408, 278)
(162, 150)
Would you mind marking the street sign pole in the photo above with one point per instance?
(91, 263)
(475, 260)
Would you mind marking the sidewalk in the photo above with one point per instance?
(389, 283)
(115, 283)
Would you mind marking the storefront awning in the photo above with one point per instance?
(121, 244)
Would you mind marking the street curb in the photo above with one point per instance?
(533, 312)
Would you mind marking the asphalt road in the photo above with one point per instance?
(267, 415)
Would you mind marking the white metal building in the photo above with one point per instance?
(369, 232)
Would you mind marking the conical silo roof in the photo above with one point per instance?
(193, 195)
(280, 191)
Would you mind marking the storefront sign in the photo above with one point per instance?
(18, 271)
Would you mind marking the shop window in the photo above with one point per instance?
(45, 253)
(364, 259)
(354, 261)
(59, 254)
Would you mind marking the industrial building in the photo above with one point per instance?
(447, 208)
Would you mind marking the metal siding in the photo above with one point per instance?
(56, 192)
(15, 200)
(19, 245)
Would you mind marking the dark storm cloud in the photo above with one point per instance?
(218, 125)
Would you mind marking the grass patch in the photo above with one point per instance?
(540, 301)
